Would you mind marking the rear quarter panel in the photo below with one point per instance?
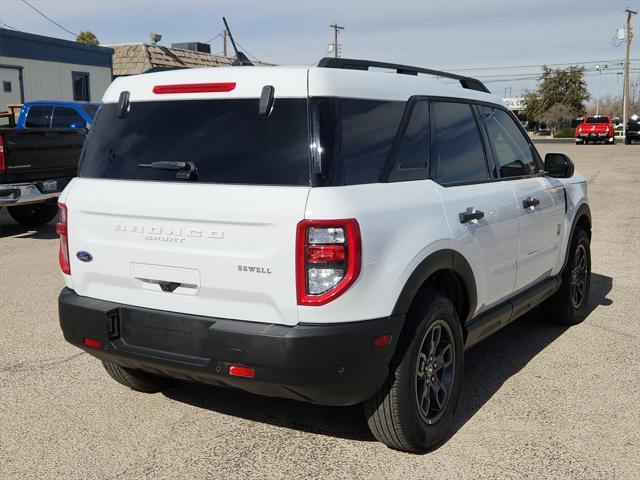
(576, 190)
(400, 223)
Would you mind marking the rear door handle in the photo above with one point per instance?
(466, 217)
(530, 202)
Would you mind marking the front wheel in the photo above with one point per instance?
(33, 215)
(414, 409)
(569, 304)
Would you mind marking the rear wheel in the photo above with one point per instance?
(414, 409)
(135, 379)
(569, 304)
(33, 215)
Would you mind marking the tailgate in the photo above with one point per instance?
(41, 153)
(224, 251)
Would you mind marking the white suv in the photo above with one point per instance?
(329, 234)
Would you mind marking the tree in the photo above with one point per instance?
(87, 37)
(558, 116)
(612, 105)
(564, 86)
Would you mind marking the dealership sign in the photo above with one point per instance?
(515, 103)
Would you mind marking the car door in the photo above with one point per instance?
(482, 214)
(541, 203)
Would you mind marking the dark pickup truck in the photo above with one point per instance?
(633, 130)
(35, 166)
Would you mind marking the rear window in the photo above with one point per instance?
(355, 138)
(64, 117)
(226, 140)
(38, 117)
(597, 120)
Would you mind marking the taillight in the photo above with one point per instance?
(328, 259)
(3, 164)
(61, 229)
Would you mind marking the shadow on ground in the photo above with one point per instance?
(9, 228)
(487, 367)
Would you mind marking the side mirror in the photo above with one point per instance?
(558, 165)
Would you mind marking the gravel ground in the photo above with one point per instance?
(538, 401)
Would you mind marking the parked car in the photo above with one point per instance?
(595, 128)
(633, 130)
(55, 114)
(35, 166)
(327, 234)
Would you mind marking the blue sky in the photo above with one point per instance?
(438, 34)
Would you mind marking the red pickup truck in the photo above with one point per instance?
(597, 128)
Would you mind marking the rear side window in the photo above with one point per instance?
(226, 140)
(459, 151)
(64, 117)
(412, 152)
(511, 150)
(38, 117)
(355, 138)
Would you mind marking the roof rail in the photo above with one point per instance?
(354, 64)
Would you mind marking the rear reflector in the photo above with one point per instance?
(382, 341)
(91, 342)
(194, 88)
(240, 371)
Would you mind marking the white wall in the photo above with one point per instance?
(52, 80)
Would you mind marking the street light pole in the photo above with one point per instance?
(599, 68)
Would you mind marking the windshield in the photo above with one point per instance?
(91, 109)
(597, 120)
(226, 140)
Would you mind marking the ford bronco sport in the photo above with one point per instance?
(329, 234)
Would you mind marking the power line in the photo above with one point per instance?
(247, 52)
(50, 19)
(213, 38)
(536, 66)
(8, 26)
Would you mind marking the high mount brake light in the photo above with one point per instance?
(61, 230)
(195, 88)
(328, 259)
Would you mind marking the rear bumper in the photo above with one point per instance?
(332, 364)
(30, 192)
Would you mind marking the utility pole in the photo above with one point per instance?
(627, 80)
(336, 30)
(224, 42)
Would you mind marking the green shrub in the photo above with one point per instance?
(565, 132)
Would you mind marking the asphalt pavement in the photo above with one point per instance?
(538, 401)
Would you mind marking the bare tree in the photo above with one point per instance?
(560, 115)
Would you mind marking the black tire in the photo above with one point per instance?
(396, 414)
(33, 215)
(627, 141)
(136, 379)
(569, 305)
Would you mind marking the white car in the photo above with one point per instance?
(327, 234)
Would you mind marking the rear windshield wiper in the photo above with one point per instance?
(185, 170)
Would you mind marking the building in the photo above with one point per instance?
(35, 67)
(136, 58)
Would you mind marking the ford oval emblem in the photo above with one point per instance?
(84, 256)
